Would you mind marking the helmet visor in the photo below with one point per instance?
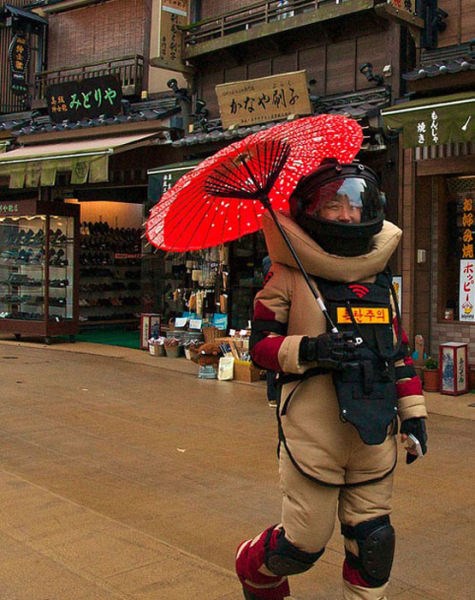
(351, 199)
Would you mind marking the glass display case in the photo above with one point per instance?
(38, 279)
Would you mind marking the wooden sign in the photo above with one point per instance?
(19, 56)
(173, 15)
(265, 99)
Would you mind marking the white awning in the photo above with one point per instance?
(87, 160)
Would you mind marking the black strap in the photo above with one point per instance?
(261, 326)
(290, 377)
(406, 372)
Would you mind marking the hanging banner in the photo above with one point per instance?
(433, 121)
(467, 290)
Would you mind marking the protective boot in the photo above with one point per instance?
(257, 581)
(356, 592)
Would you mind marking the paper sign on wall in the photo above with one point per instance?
(467, 290)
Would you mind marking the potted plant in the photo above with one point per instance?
(430, 375)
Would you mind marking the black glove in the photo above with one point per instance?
(328, 350)
(416, 426)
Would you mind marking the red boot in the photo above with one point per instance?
(257, 581)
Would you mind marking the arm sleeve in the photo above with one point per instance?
(411, 401)
(271, 347)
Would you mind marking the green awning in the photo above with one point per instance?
(31, 166)
(433, 121)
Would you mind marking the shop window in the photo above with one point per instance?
(247, 277)
(191, 284)
(457, 271)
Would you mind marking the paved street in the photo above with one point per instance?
(124, 476)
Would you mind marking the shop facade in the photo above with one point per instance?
(216, 285)
(71, 229)
(438, 203)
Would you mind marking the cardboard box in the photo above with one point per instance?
(246, 371)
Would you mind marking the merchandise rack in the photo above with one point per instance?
(38, 275)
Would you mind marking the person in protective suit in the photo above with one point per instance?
(344, 387)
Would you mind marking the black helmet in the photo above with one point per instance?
(340, 206)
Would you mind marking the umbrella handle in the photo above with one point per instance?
(266, 202)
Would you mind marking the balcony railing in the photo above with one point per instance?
(264, 12)
(128, 69)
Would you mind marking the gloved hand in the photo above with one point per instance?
(328, 350)
(416, 426)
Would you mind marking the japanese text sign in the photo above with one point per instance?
(467, 290)
(173, 15)
(441, 121)
(88, 98)
(468, 226)
(19, 56)
(265, 99)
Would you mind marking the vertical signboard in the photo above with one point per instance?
(468, 224)
(467, 255)
(173, 15)
(19, 56)
(467, 290)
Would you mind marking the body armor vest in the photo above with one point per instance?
(365, 387)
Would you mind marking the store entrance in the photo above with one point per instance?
(122, 277)
(110, 282)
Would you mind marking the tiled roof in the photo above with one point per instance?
(365, 104)
(27, 123)
(444, 61)
(442, 68)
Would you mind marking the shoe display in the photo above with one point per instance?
(110, 265)
(29, 244)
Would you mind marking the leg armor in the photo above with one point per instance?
(263, 564)
(376, 541)
(287, 559)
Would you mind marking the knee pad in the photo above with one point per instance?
(376, 542)
(286, 559)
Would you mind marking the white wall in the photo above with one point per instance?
(116, 214)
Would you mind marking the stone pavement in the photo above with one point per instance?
(124, 476)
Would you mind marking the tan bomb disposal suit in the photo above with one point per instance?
(324, 464)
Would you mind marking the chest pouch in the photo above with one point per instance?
(365, 387)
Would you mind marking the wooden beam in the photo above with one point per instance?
(463, 165)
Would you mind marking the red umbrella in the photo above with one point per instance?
(191, 217)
